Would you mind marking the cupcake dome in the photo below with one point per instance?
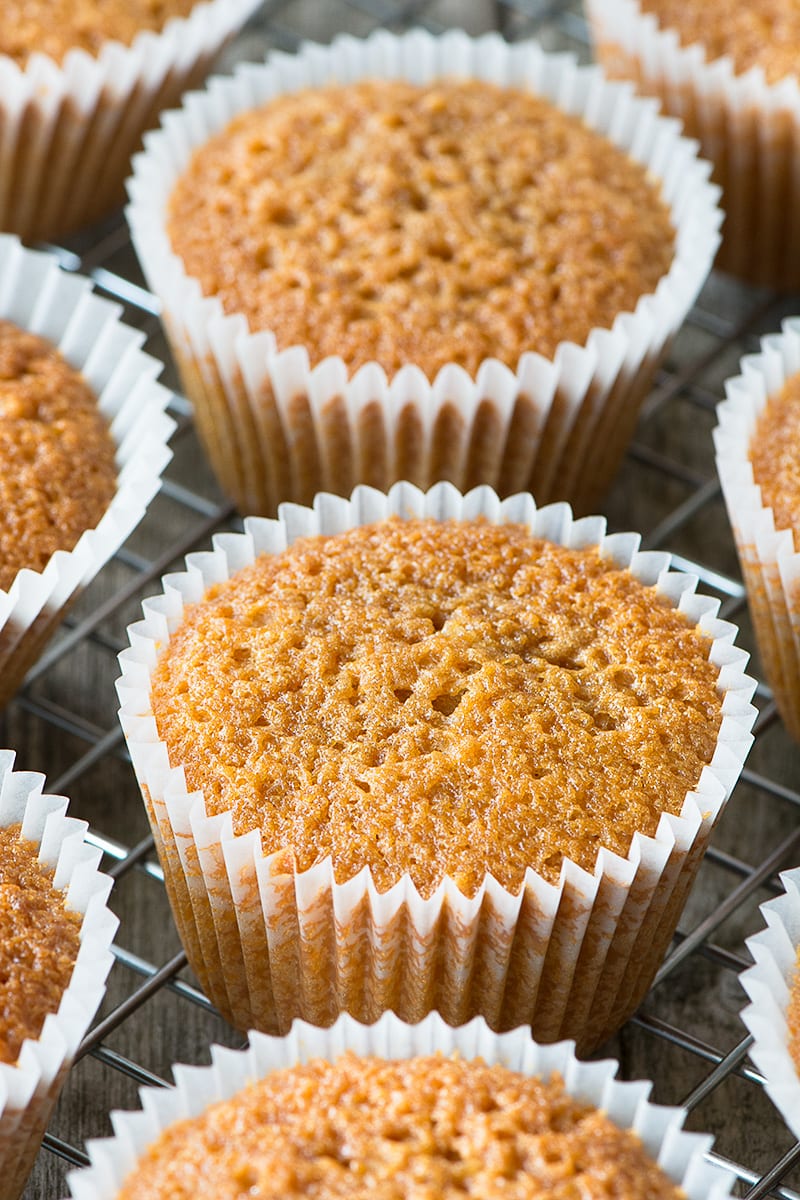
(98, 355)
(54, 27)
(57, 454)
(80, 85)
(57, 933)
(278, 423)
(451, 222)
(427, 1114)
(757, 467)
(729, 72)
(571, 951)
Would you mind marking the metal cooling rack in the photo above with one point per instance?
(687, 1037)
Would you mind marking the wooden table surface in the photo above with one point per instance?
(64, 722)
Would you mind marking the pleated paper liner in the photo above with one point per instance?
(679, 1154)
(30, 1087)
(748, 128)
(38, 296)
(769, 985)
(270, 944)
(770, 564)
(275, 429)
(68, 131)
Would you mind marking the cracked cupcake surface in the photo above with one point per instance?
(388, 222)
(57, 469)
(426, 1127)
(438, 698)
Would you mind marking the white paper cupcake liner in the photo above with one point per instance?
(276, 430)
(748, 128)
(769, 984)
(770, 564)
(678, 1153)
(68, 131)
(39, 297)
(269, 944)
(29, 1088)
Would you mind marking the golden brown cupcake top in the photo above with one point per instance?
(793, 1016)
(773, 452)
(429, 1127)
(39, 943)
(400, 224)
(760, 33)
(438, 698)
(57, 472)
(55, 26)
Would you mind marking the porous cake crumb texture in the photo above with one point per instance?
(793, 1017)
(428, 1128)
(773, 453)
(400, 224)
(761, 33)
(55, 26)
(57, 471)
(441, 698)
(39, 943)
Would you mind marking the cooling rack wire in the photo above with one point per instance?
(687, 1037)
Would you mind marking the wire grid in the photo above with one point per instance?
(687, 1036)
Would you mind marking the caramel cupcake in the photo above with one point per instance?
(80, 84)
(423, 1107)
(83, 441)
(730, 73)
(756, 443)
(395, 263)
(54, 957)
(468, 765)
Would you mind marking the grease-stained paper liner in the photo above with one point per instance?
(68, 131)
(39, 297)
(276, 430)
(268, 944)
(770, 564)
(28, 1089)
(679, 1154)
(768, 984)
(748, 128)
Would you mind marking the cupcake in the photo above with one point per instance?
(423, 1111)
(756, 446)
(419, 258)
(452, 754)
(773, 985)
(55, 954)
(83, 437)
(80, 84)
(730, 73)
